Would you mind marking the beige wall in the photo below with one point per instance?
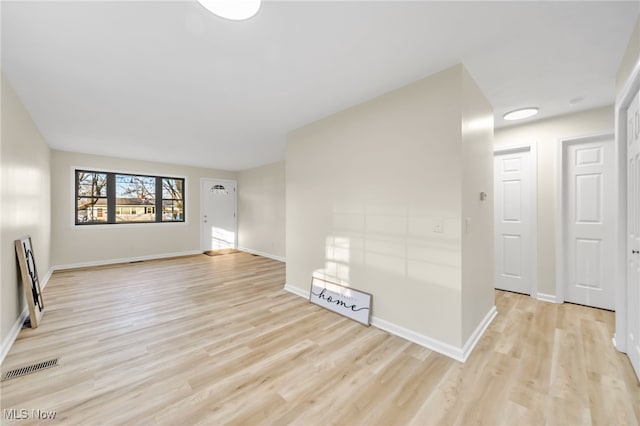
(477, 177)
(77, 245)
(261, 210)
(630, 59)
(546, 134)
(24, 200)
(366, 188)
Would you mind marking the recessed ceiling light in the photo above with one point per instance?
(235, 10)
(519, 114)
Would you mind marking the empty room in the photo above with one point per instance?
(263, 212)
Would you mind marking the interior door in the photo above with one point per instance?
(512, 220)
(218, 200)
(589, 212)
(633, 233)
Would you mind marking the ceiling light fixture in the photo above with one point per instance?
(235, 10)
(519, 114)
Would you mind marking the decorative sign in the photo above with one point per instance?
(30, 280)
(343, 300)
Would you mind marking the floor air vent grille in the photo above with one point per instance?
(30, 369)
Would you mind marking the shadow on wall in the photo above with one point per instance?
(423, 247)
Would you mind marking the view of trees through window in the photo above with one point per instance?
(103, 197)
(91, 197)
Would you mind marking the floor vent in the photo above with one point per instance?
(29, 369)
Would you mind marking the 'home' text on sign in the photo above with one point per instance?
(343, 300)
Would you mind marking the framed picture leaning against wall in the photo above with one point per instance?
(30, 280)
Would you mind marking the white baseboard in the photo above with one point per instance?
(420, 339)
(477, 333)
(45, 280)
(124, 260)
(13, 334)
(547, 297)
(263, 254)
(297, 291)
(459, 354)
(8, 341)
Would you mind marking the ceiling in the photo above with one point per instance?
(170, 82)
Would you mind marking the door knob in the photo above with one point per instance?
(635, 251)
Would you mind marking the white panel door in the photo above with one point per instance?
(512, 221)
(633, 233)
(589, 220)
(218, 200)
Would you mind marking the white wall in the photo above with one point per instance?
(630, 58)
(365, 189)
(24, 200)
(261, 210)
(78, 245)
(546, 134)
(477, 177)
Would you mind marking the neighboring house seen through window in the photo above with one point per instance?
(105, 197)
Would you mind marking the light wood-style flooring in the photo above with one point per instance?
(216, 340)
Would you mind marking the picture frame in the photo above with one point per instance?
(30, 280)
(343, 300)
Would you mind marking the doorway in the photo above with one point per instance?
(587, 221)
(218, 214)
(515, 218)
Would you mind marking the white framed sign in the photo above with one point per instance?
(342, 300)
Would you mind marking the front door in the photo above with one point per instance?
(218, 221)
(589, 215)
(513, 220)
(633, 233)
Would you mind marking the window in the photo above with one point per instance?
(91, 197)
(172, 198)
(108, 198)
